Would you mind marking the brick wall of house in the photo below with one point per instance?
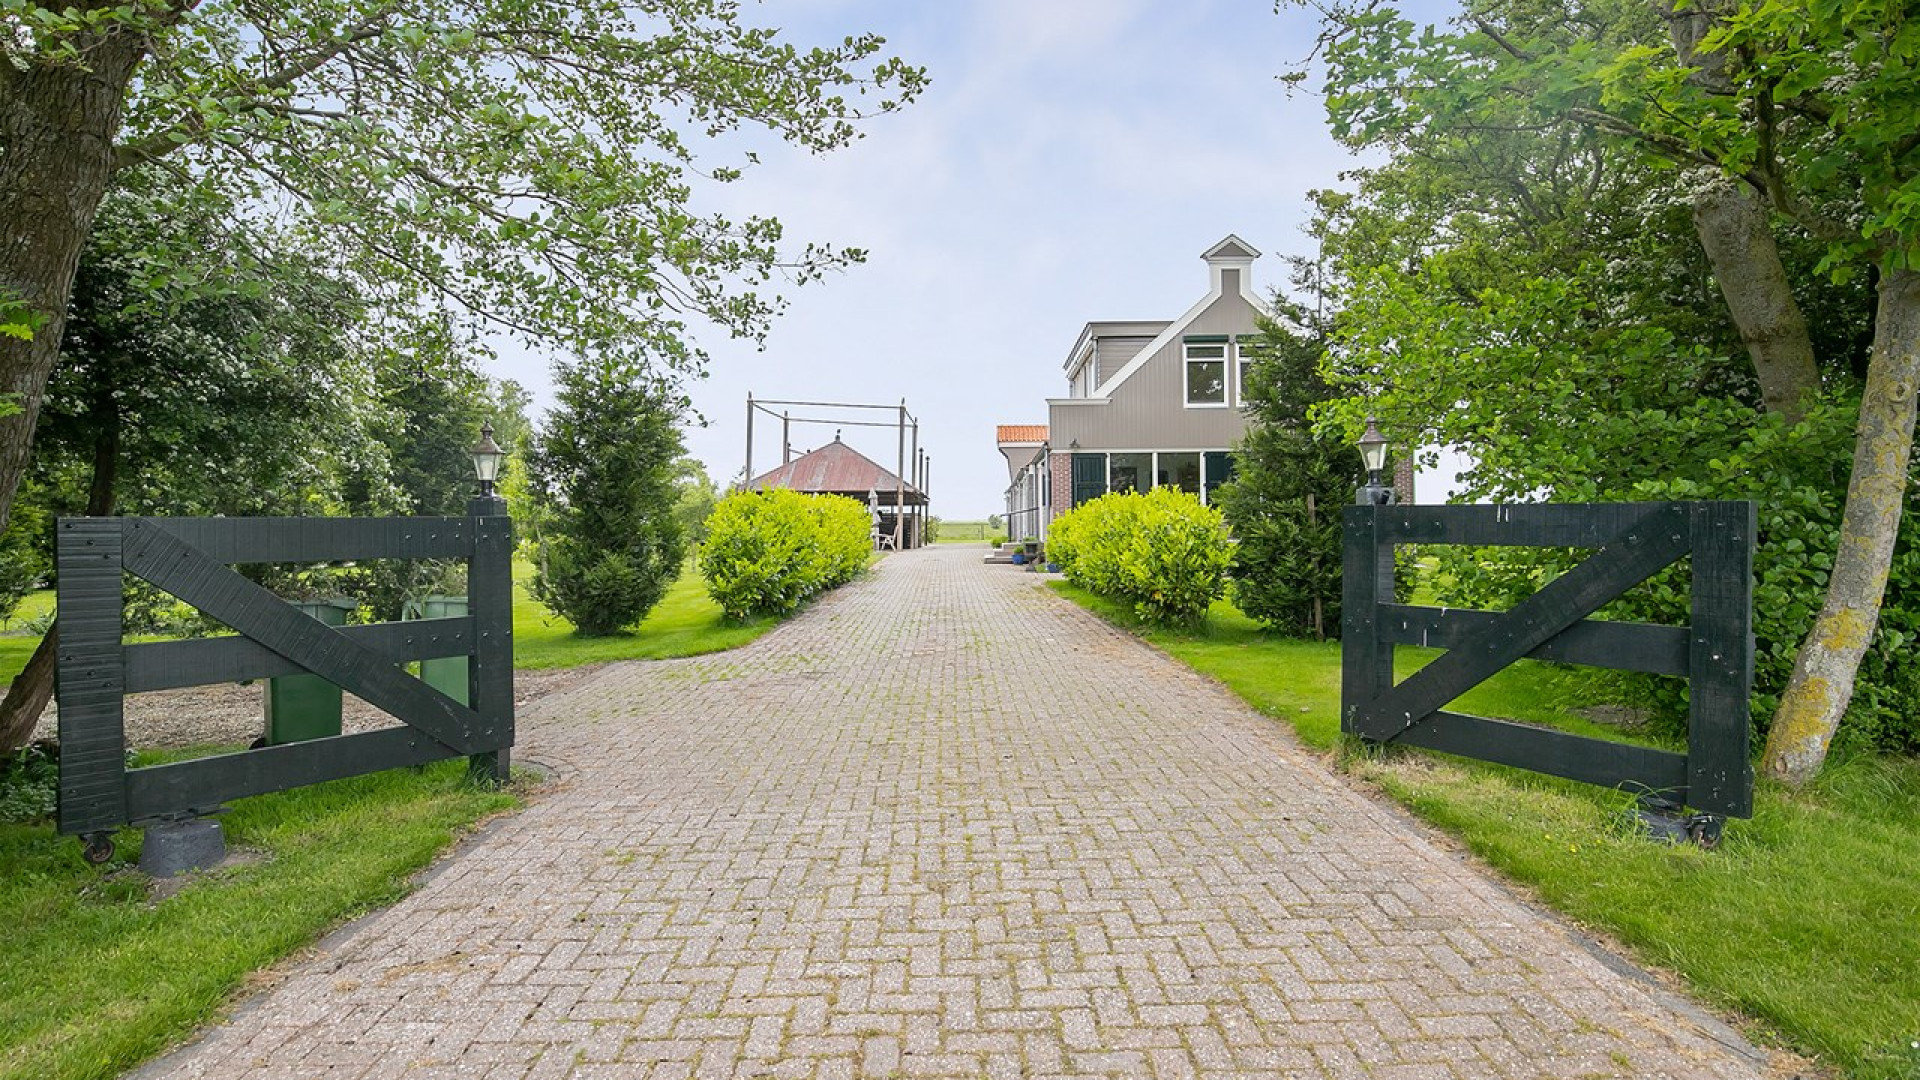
(1403, 479)
(1062, 467)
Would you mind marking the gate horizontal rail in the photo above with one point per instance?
(191, 558)
(1631, 542)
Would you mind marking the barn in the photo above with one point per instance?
(899, 509)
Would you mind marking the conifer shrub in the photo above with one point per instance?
(1161, 551)
(604, 474)
(767, 552)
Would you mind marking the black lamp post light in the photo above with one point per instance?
(487, 456)
(1373, 452)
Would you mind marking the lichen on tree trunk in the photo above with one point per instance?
(1817, 696)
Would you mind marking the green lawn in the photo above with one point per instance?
(100, 976)
(16, 643)
(1806, 919)
(969, 532)
(686, 623)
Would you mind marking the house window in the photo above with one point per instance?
(1219, 470)
(1207, 373)
(1130, 472)
(1246, 351)
(1181, 470)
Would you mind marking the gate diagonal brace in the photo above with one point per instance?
(190, 574)
(1643, 550)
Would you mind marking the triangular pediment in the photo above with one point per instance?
(1232, 248)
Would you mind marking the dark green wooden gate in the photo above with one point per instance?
(191, 558)
(1630, 542)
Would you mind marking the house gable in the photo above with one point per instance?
(1229, 281)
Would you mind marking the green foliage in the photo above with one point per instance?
(767, 552)
(1289, 485)
(537, 164)
(18, 320)
(1811, 104)
(24, 562)
(604, 470)
(1160, 551)
(1522, 278)
(29, 782)
(1797, 476)
(695, 499)
(212, 367)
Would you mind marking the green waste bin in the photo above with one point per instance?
(447, 674)
(307, 706)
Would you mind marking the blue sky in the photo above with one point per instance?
(1070, 162)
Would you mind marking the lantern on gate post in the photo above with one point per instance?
(1373, 453)
(487, 456)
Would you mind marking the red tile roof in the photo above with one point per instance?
(838, 469)
(1023, 433)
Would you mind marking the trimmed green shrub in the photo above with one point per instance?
(767, 552)
(1161, 551)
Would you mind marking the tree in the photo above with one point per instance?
(695, 496)
(1289, 485)
(605, 470)
(1777, 116)
(436, 399)
(208, 393)
(528, 163)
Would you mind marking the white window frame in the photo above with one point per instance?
(1225, 360)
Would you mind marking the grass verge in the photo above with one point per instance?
(100, 975)
(1807, 918)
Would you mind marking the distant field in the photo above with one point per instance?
(968, 532)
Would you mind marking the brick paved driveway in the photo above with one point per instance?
(945, 824)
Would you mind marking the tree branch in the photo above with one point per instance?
(163, 142)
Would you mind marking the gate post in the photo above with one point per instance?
(1366, 662)
(1720, 659)
(93, 734)
(490, 667)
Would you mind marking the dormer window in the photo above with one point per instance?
(1206, 372)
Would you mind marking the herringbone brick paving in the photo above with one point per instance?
(946, 825)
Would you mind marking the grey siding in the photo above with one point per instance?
(1148, 411)
(1112, 354)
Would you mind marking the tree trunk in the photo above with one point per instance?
(1733, 229)
(28, 694)
(1823, 672)
(57, 127)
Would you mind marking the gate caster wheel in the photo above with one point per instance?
(98, 849)
(1705, 833)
